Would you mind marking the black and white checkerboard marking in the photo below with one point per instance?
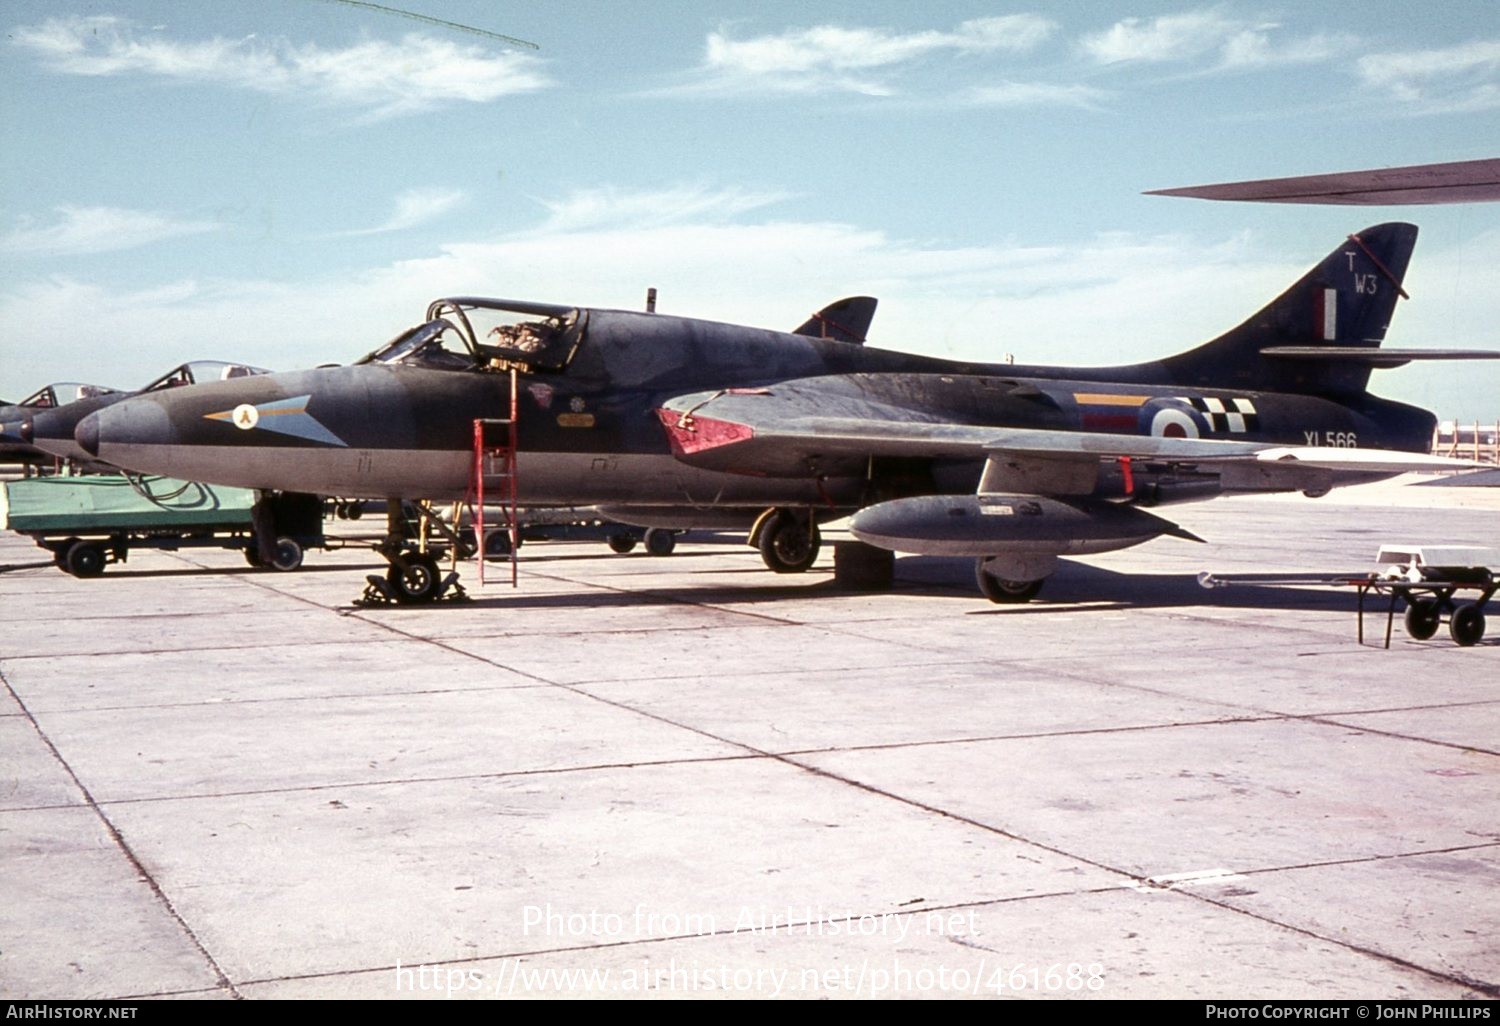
(1235, 416)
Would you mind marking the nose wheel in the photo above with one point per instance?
(414, 577)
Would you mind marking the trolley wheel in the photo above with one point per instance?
(60, 554)
(1422, 618)
(1467, 624)
(287, 555)
(85, 559)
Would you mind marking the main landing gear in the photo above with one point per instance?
(788, 540)
(1009, 580)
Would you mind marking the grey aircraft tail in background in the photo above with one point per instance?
(675, 421)
(1464, 181)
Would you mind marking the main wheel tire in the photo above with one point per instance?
(1422, 618)
(1467, 624)
(85, 559)
(621, 542)
(1002, 591)
(660, 542)
(788, 546)
(415, 579)
(287, 555)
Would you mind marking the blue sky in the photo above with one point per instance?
(289, 182)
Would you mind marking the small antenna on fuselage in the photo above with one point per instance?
(651, 300)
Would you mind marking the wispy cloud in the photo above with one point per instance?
(832, 58)
(1035, 94)
(1211, 36)
(416, 207)
(1458, 78)
(1256, 48)
(613, 209)
(384, 78)
(1172, 37)
(84, 230)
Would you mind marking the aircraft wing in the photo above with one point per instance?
(797, 429)
(1465, 181)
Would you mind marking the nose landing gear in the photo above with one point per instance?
(415, 577)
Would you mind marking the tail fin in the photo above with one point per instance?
(1320, 336)
(847, 320)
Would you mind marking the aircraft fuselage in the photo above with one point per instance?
(590, 434)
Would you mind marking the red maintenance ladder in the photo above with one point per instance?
(495, 463)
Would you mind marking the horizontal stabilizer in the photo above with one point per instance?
(1377, 357)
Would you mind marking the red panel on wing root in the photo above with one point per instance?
(694, 434)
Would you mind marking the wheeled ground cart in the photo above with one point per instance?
(90, 522)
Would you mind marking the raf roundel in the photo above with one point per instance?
(245, 416)
(1172, 422)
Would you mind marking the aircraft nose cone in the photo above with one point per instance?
(48, 427)
(133, 435)
(87, 434)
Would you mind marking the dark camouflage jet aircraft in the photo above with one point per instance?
(674, 422)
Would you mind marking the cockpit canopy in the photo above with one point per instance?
(200, 371)
(485, 334)
(61, 393)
